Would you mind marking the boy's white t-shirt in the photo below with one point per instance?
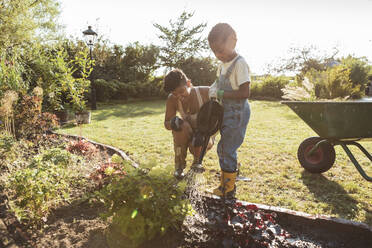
(239, 75)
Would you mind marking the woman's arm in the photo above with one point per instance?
(170, 112)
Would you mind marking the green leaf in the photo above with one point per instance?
(134, 213)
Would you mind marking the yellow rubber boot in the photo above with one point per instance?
(227, 185)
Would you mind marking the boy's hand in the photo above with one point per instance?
(212, 93)
(176, 123)
(216, 94)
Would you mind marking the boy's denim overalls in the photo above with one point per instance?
(235, 120)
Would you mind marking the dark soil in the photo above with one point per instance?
(72, 226)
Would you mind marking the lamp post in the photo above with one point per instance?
(90, 38)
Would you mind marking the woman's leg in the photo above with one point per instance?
(181, 140)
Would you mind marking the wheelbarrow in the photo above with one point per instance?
(336, 123)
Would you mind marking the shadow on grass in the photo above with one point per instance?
(291, 117)
(331, 193)
(68, 125)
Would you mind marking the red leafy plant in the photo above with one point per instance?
(81, 147)
(247, 226)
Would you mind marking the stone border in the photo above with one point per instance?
(318, 218)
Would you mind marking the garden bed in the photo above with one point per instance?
(77, 223)
(73, 219)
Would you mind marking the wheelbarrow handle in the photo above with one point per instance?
(353, 159)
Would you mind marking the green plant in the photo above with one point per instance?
(42, 185)
(11, 75)
(6, 142)
(66, 81)
(62, 80)
(143, 205)
(105, 172)
(83, 67)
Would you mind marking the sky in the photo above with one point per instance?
(266, 29)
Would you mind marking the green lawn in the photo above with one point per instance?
(268, 156)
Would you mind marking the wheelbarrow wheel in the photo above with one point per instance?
(321, 160)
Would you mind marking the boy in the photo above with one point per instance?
(232, 90)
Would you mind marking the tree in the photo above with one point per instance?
(108, 61)
(303, 59)
(201, 71)
(138, 63)
(359, 70)
(135, 62)
(180, 42)
(22, 21)
(24, 24)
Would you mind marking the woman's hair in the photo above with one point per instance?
(174, 79)
(220, 32)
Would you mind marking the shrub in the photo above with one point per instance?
(122, 91)
(152, 88)
(108, 90)
(30, 122)
(359, 70)
(334, 83)
(269, 87)
(142, 206)
(105, 90)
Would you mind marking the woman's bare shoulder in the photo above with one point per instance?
(204, 90)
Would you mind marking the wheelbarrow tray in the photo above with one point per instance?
(347, 120)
